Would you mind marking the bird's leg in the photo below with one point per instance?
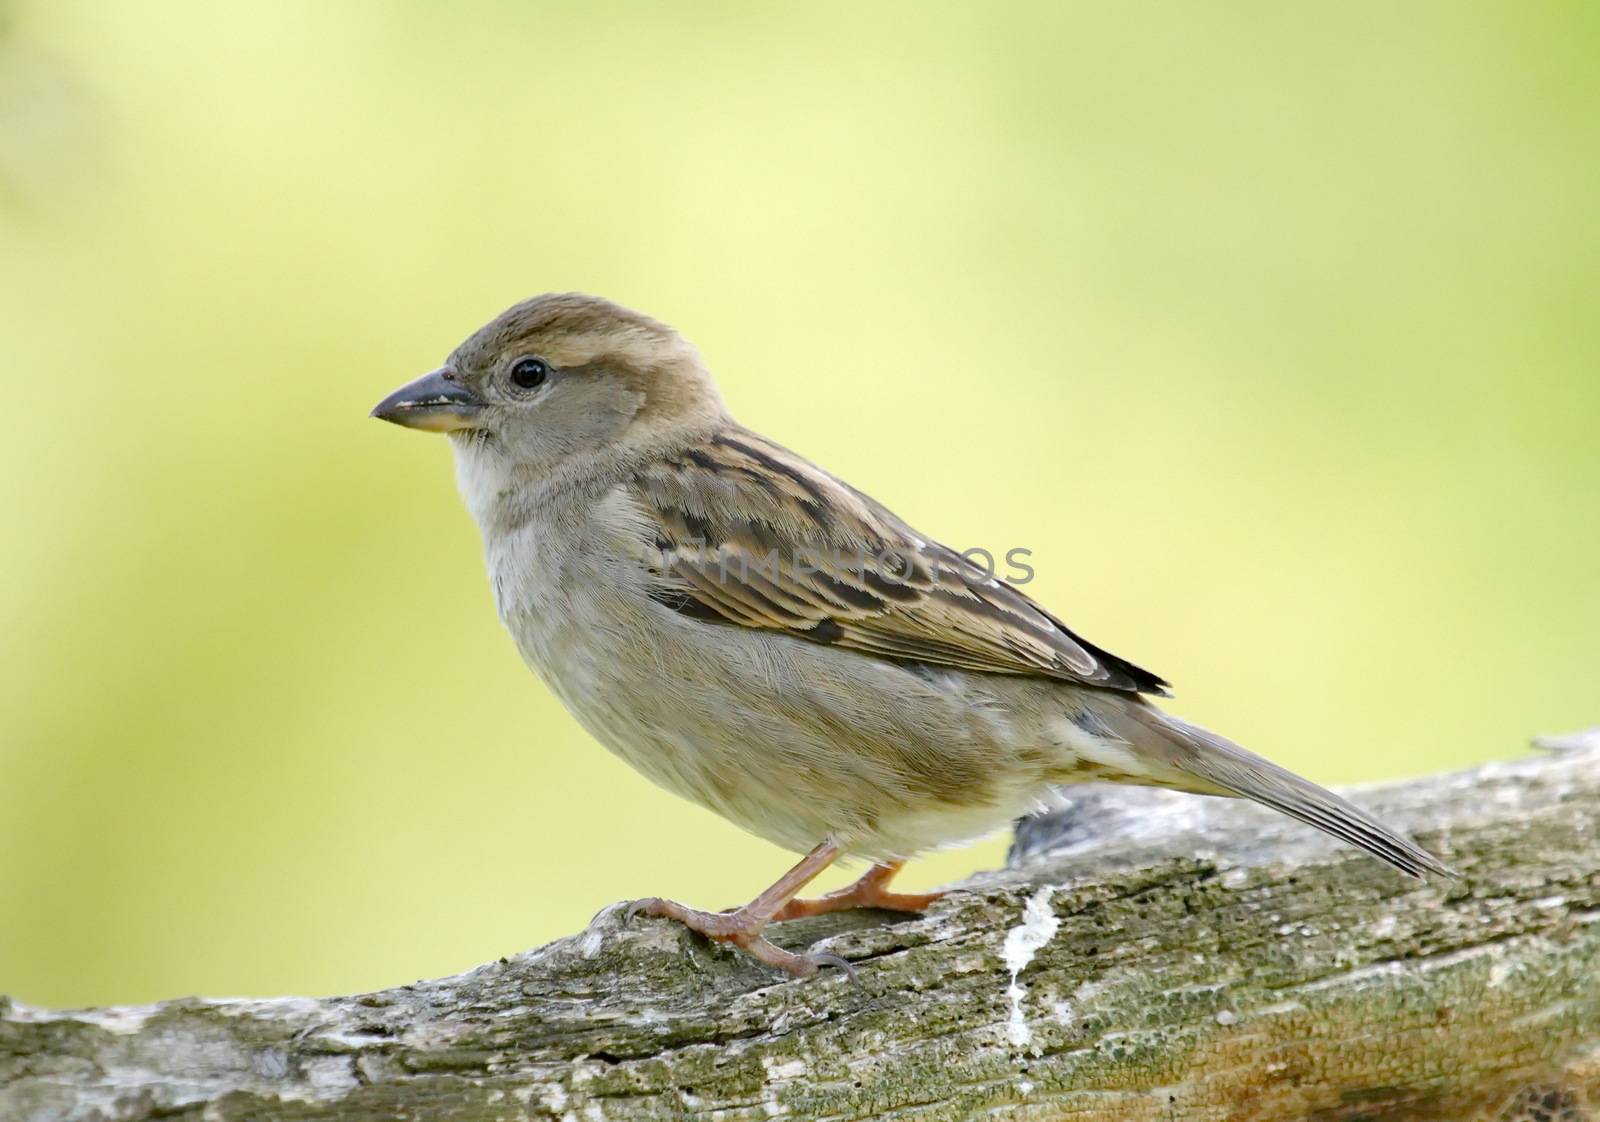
(743, 926)
(870, 891)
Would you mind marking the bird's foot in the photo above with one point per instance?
(742, 928)
(870, 891)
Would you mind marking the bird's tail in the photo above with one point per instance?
(1212, 764)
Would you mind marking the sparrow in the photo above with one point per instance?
(761, 638)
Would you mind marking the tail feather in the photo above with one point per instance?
(1220, 762)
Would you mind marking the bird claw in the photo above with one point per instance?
(726, 926)
(869, 891)
(742, 931)
(634, 907)
(798, 965)
(823, 958)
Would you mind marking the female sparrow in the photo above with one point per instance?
(761, 638)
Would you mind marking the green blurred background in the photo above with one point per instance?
(1270, 329)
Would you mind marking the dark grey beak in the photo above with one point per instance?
(435, 402)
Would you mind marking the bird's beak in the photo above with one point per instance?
(435, 402)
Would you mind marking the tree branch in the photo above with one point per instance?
(1144, 956)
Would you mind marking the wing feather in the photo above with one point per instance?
(748, 534)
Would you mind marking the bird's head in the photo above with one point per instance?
(559, 376)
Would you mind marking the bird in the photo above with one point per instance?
(756, 635)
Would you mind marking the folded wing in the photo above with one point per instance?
(748, 534)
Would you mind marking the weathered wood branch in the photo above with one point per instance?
(1145, 956)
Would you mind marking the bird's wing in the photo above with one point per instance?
(748, 534)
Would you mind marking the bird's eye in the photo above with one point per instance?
(530, 373)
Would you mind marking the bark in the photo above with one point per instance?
(1144, 956)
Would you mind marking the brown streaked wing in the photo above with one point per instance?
(733, 514)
